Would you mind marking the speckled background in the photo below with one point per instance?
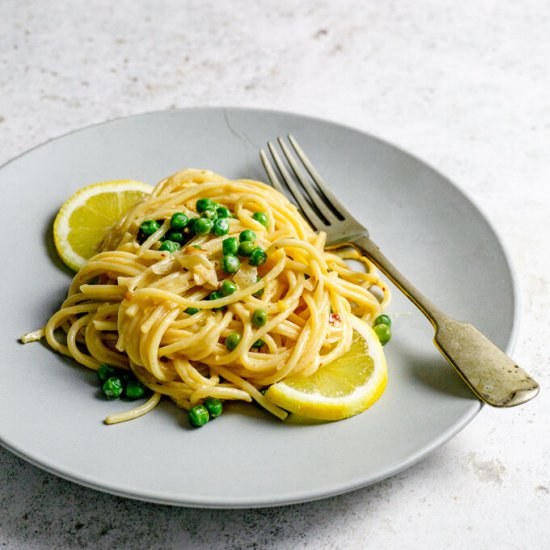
(463, 85)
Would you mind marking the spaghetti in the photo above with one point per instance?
(160, 312)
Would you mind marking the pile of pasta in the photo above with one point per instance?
(128, 305)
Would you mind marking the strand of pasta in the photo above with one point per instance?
(136, 412)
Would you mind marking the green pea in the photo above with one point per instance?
(170, 246)
(112, 388)
(134, 389)
(209, 213)
(174, 235)
(105, 371)
(230, 245)
(213, 406)
(383, 320)
(230, 263)
(203, 226)
(205, 204)
(257, 257)
(179, 220)
(191, 226)
(216, 296)
(148, 227)
(261, 217)
(383, 332)
(232, 341)
(258, 344)
(223, 212)
(227, 288)
(247, 235)
(125, 376)
(221, 227)
(246, 248)
(259, 317)
(198, 416)
(192, 310)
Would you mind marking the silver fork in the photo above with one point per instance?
(489, 372)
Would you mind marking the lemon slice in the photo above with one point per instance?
(342, 388)
(85, 218)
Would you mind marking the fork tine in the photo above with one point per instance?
(324, 189)
(274, 180)
(312, 217)
(311, 192)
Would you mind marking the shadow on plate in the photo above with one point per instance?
(50, 247)
(432, 371)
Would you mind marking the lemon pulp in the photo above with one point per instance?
(86, 217)
(342, 388)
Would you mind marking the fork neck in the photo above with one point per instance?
(365, 245)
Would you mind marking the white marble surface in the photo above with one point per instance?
(463, 85)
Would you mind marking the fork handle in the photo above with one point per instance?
(489, 372)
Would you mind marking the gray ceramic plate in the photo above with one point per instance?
(50, 413)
